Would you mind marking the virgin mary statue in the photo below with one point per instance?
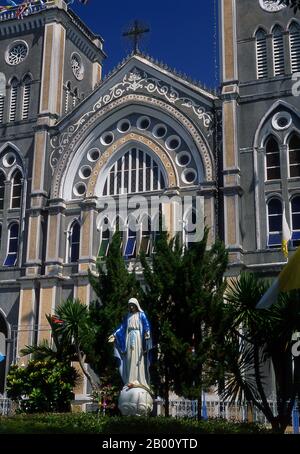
(132, 342)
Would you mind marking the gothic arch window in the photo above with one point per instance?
(294, 156)
(74, 242)
(14, 86)
(26, 96)
(274, 222)
(261, 54)
(294, 30)
(13, 243)
(146, 236)
(135, 171)
(2, 190)
(272, 159)
(295, 209)
(105, 234)
(278, 51)
(119, 227)
(16, 190)
(131, 240)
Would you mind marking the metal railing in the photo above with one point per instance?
(215, 408)
(6, 407)
(35, 7)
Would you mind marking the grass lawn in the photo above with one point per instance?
(87, 423)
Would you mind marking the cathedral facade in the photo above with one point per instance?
(74, 149)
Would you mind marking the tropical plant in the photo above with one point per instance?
(71, 332)
(254, 341)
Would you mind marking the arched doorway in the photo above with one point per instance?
(3, 337)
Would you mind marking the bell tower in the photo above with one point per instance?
(51, 62)
(261, 168)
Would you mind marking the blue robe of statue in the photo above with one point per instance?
(132, 349)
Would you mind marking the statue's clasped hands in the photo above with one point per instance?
(111, 338)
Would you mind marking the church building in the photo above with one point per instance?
(73, 143)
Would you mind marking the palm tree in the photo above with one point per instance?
(71, 333)
(254, 338)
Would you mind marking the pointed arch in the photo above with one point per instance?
(16, 189)
(258, 139)
(26, 95)
(105, 237)
(261, 54)
(131, 238)
(294, 155)
(74, 241)
(278, 50)
(274, 210)
(136, 170)
(2, 189)
(146, 235)
(294, 38)
(14, 88)
(273, 171)
(12, 244)
(145, 145)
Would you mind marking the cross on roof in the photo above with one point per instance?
(135, 33)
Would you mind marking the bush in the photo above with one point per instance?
(42, 386)
(87, 423)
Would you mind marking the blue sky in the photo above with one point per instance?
(182, 32)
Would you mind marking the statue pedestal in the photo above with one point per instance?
(135, 402)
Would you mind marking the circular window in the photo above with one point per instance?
(173, 143)
(143, 123)
(107, 138)
(159, 131)
(79, 189)
(85, 172)
(16, 53)
(124, 126)
(93, 155)
(183, 158)
(9, 159)
(77, 66)
(281, 121)
(189, 176)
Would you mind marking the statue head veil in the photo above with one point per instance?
(136, 303)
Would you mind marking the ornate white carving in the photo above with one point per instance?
(132, 82)
(271, 6)
(64, 144)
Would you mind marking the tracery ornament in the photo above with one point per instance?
(64, 144)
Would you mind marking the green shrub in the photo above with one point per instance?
(42, 386)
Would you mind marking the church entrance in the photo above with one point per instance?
(3, 337)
